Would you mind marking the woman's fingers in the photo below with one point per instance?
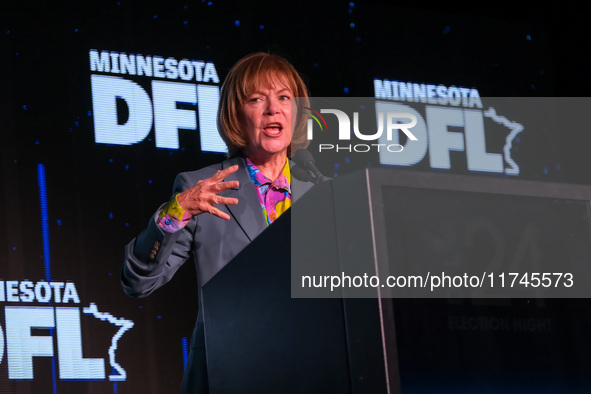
(222, 174)
(202, 196)
(218, 213)
(221, 186)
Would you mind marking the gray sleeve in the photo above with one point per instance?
(152, 258)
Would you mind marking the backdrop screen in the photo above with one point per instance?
(103, 103)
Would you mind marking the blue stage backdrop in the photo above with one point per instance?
(103, 103)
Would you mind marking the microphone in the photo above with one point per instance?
(304, 158)
(302, 174)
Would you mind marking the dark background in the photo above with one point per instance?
(100, 196)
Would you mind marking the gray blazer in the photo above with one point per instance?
(154, 256)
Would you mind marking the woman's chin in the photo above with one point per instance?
(269, 152)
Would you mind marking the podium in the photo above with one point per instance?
(260, 340)
(263, 336)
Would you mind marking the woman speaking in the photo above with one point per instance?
(215, 212)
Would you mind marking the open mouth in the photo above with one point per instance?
(273, 128)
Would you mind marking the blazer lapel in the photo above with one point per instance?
(298, 188)
(252, 221)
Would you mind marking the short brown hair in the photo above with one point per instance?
(248, 74)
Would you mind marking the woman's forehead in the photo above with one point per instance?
(275, 81)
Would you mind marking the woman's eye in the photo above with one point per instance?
(255, 99)
(285, 98)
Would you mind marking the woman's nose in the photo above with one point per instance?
(272, 106)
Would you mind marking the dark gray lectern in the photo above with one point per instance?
(261, 340)
(503, 339)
